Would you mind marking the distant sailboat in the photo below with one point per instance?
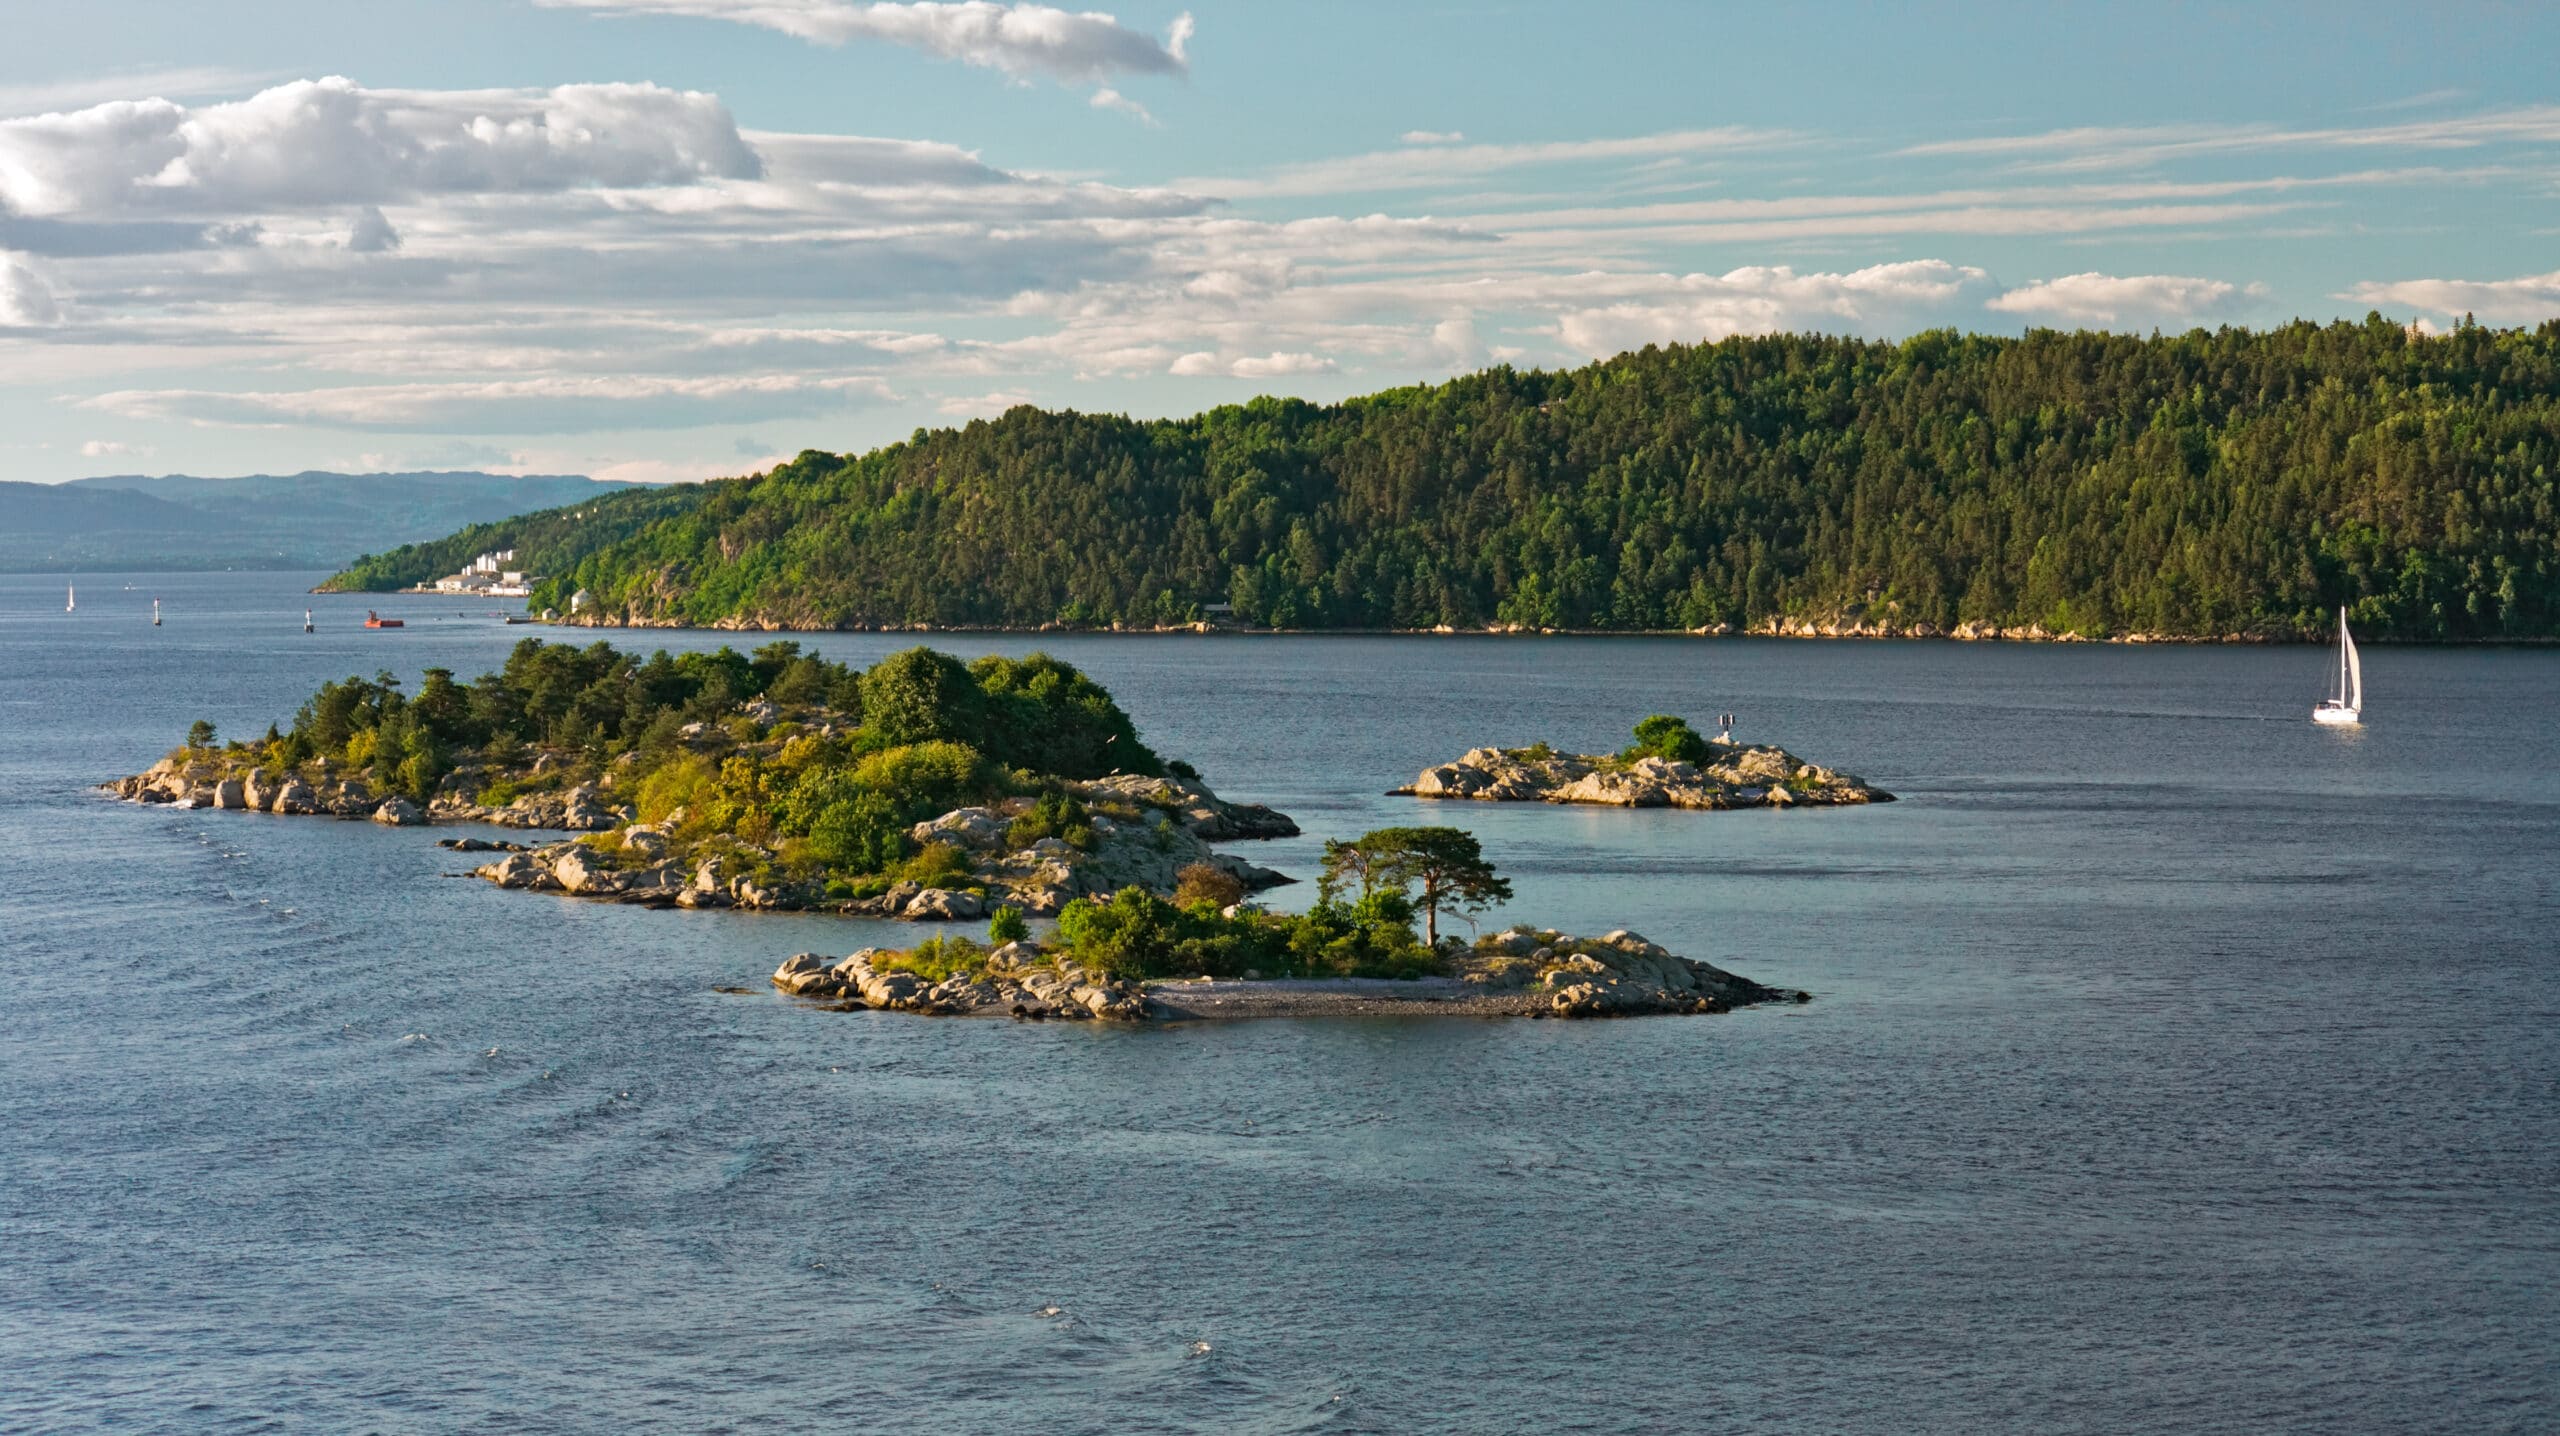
(306, 620)
(2348, 706)
(70, 598)
(155, 613)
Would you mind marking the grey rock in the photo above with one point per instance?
(398, 812)
(943, 905)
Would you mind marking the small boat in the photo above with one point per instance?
(155, 613)
(306, 620)
(375, 620)
(2348, 707)
(70, 598)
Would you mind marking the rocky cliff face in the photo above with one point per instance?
(1734, 776)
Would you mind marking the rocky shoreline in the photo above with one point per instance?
(1522, 972)
(1731, 776)
(619, 860)
(626, 864)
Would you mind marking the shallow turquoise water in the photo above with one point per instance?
(2174, 1065)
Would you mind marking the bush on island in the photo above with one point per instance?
(1663, 736)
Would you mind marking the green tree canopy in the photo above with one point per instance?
(1437, 869)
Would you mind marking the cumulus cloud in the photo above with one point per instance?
(2104, 299)
(177, 80)
(978, 406)
(2526, 300)
(1761, 299)
(113, 448)
(1016, 39)
(515, 406)
(331, 142)
(1274, 365)
(27, 298)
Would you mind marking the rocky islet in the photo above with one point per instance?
(1521, 972)
(1733, 776)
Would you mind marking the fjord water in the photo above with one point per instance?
(2174, 1064)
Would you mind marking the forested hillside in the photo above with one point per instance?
(2203, 483)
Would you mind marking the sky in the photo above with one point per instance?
(673, 239)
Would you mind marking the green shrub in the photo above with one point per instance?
(1207, 883)
(1139, 935)
(683, 783)
(939, 865)
(936, 958)
(1663, 736)
(1059, 815)
(1007, 925)
(858, 834)
(928, 779)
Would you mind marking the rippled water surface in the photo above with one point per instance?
(2174, 1065)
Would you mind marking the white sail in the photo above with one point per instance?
(2355, 667)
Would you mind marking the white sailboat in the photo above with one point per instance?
(2348, 706)
(70, 598)
(155, 613)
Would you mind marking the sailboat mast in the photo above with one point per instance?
(2342, 653)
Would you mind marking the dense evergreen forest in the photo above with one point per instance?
(2197, 484)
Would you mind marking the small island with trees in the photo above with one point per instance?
(922, 788)
(1206, 953)
(1669, 765)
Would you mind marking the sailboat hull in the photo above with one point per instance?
(2336, 717)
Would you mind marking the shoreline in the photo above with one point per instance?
(1803, 631)
(1522, 972)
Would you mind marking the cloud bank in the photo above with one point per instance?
(2526, 300)
(1019, 40)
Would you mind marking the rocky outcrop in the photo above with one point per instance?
(1619, 974)
(586, 808)
(943, 905)
(1201, 813)
(1734, 776)
(398, 813)
(1017, 979)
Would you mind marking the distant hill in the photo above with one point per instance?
(2200, 484)
(305, 520)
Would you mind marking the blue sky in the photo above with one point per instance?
(672, 238)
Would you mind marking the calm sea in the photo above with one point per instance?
(2175, 1064)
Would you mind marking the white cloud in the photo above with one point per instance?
(2099, 300)
(331, 142)
(1433, 137)
(2105, 147)
(113, 448)
(513, 406)
(1107, 98)
(180, 81)
(974, 406)
(1274, 365)
(27, 297)
(1435, 164)
(1016, 39)
(2526, 300)
(1761, 300)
